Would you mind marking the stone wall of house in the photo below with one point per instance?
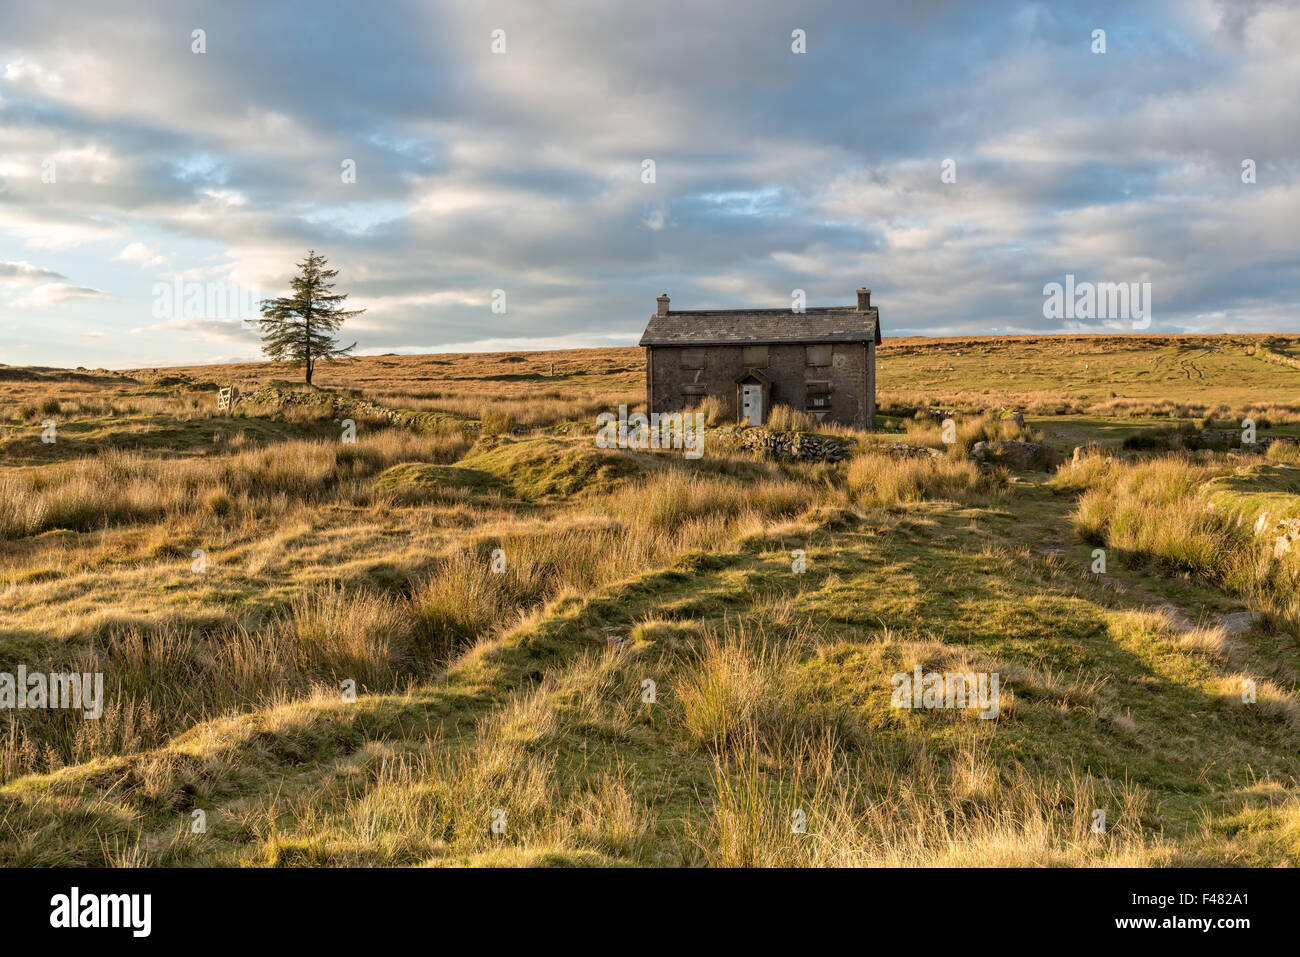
(675, 384)
(870, 359)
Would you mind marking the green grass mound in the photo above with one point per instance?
(423, 481)
(540, 468)
(1254, 490)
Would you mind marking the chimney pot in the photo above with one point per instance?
(864, 299)
(663, 303)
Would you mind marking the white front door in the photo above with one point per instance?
(751, 404)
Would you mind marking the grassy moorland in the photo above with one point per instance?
(648, 679)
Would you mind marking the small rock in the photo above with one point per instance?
(1239, 621)
(1288, 534)
(906, 451)
(1014, 454)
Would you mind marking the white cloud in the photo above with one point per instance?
(55, 293)
(207, 330)
(142, 254)
(25, 272)
(774, 171)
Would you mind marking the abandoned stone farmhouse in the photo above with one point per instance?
(821, 361)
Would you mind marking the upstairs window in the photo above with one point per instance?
(819, 355)
(753, 357)
(692, 358)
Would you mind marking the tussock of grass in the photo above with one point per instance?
(1157, 509)
(671, 499)
(666, 514)
(159, 681)
(886, 481)
(1287, 452)
(715, 412)
(743, 687)
(122, 487)
(1271, 700)
(929, 812)
(782, 418)
(966, 431)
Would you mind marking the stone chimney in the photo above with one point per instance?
(864, 299)
(663, 304)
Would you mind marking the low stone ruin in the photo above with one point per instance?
(335, 406)
(786, 446)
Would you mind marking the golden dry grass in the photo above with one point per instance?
(1156, 509)
(881, 480)
(516, 685)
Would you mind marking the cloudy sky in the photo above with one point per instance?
(128, 162)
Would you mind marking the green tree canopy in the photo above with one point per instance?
(300, 328)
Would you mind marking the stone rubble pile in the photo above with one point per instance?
(1014, 454)
(787, 446)
(903, 450)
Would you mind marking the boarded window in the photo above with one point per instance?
(693, 390)
(692, 358)
(753, 357)
(819, 355)
(818, 397)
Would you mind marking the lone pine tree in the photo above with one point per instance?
(301, 327)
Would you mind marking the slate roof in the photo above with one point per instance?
(743, 327)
